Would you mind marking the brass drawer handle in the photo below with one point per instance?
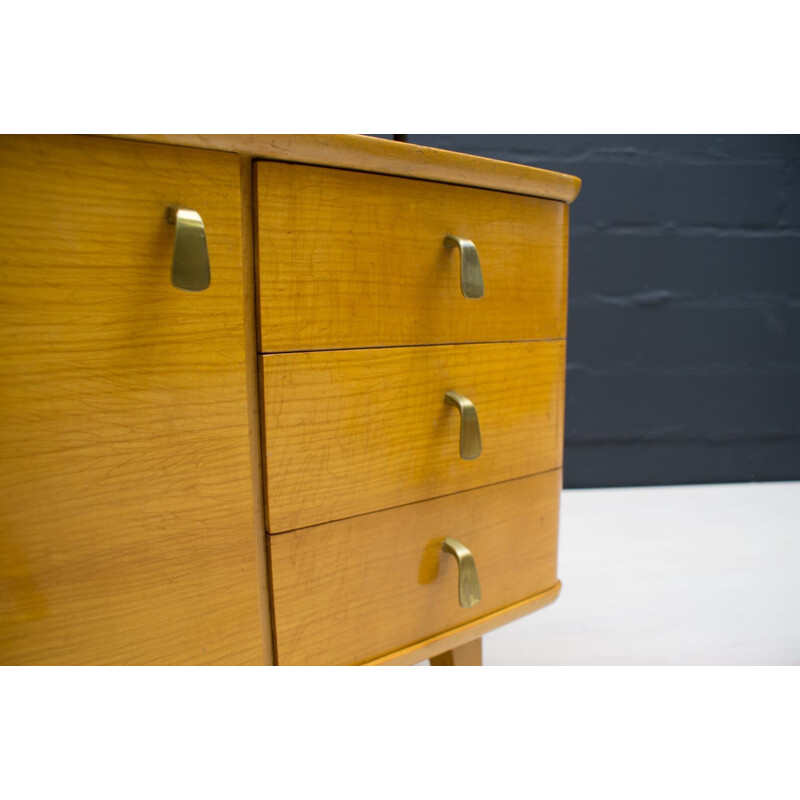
(469, 588)
(190, 267)
(470, 445)
(471, 276)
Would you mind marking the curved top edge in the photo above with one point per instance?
(370, 154)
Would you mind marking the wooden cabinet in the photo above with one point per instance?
(159, 448)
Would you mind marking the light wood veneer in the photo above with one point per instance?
(349, 259)
(370, 154)
(146, 447)
(126, 503)
(354, 590)
(353, 431)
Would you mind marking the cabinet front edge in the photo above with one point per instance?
(370, 154)
(455, 637)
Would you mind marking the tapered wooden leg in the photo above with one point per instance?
(468, 655)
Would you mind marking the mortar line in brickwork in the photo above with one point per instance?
(779, 369)
(645, 229)
(659, 438)
(549, 159)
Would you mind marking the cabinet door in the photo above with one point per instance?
(126, 504)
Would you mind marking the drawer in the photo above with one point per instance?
(353, 590)
(350, 259)
(353, 431)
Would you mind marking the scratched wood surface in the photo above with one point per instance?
(349, 259)
(353, 431)
(126, 506)
(355, 590)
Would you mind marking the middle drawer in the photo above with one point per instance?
(353, 431)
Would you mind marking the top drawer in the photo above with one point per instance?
(351, 259)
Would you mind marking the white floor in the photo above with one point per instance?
(669, 575)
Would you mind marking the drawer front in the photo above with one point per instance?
(354, 431)
(127, 531)
(351, 591)
(349, 259)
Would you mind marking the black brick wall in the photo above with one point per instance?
(684, 309)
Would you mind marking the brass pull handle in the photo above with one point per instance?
(471, 276)
(470, 445)
(190, 267)
(469, 589)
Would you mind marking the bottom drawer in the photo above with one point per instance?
(350, 591)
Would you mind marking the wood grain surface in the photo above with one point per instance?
(252, 371)
(356, 590)
(349, 259)
(353, 431)
(465, 655)
(126, 505)
(462, 634)
(370, 154)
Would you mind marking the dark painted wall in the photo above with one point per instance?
(684, 309)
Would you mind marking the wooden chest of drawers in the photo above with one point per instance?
(267, 470)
